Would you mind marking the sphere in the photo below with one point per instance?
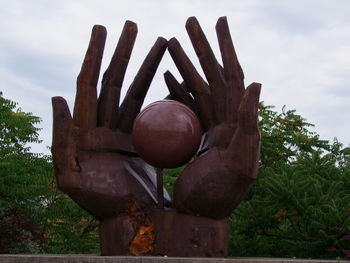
(166, 134)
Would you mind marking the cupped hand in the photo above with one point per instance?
(94, 161)
(227, 164)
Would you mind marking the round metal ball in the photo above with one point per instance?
(166, 134)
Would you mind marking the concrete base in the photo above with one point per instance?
(115, 259)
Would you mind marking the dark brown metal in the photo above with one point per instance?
(231, 148)
(211, 69)
(134, 98)
(178, 91)
(194, 82)
(114, 76)
(97, 165)
(85, 107)
(232, 69)
(181, 235)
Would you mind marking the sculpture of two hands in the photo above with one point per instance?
(97, 166)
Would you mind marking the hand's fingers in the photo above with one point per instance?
(137, 91)
(63, 147)
(108, 101)
(194, 83)
(232, 69)
(210, 66)
(85, 108)
(177, 91)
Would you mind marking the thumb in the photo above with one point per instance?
(248, 109)
(244, 148)
(63, 146)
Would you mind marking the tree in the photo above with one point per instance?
(300, 205)
(34, 216)
(16, 165)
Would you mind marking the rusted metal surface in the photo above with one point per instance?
(181, 235)
(217, 181)
(97, 166)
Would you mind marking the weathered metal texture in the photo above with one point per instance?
(131, 233)
(163, 232)
(88, 148)
(181, 235)
(218, 180)
(96, 165)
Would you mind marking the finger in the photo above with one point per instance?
(177, 91)
(137, 91)
(248, 110)
(63, 147)
(232, 69)
(194, 83)
(85, 107)
(112, 82)
(210, 66)
(244, 149)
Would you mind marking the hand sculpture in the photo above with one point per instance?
(95, 163)
(217, 181)
(92, 152)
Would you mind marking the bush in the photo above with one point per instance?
(34, 215)
(300, 204)
(18, 234)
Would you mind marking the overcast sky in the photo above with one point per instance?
(298, 49)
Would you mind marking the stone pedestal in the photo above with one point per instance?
(109, 259)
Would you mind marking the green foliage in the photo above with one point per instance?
(16, 128)
(34, 215)
(299, 206)
(69, 228)
(18, 234)
(18, 190)
(285, 135)
(170, 176)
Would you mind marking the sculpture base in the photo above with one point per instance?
(99, 259)
(164, 232)
(180, 235)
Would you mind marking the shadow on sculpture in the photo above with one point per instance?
(97, 166)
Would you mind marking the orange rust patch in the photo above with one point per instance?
(280, 213)
(143, 241)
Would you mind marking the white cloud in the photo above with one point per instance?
(298, 50)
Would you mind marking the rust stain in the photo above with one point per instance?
(143, 241)
(281, 213)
